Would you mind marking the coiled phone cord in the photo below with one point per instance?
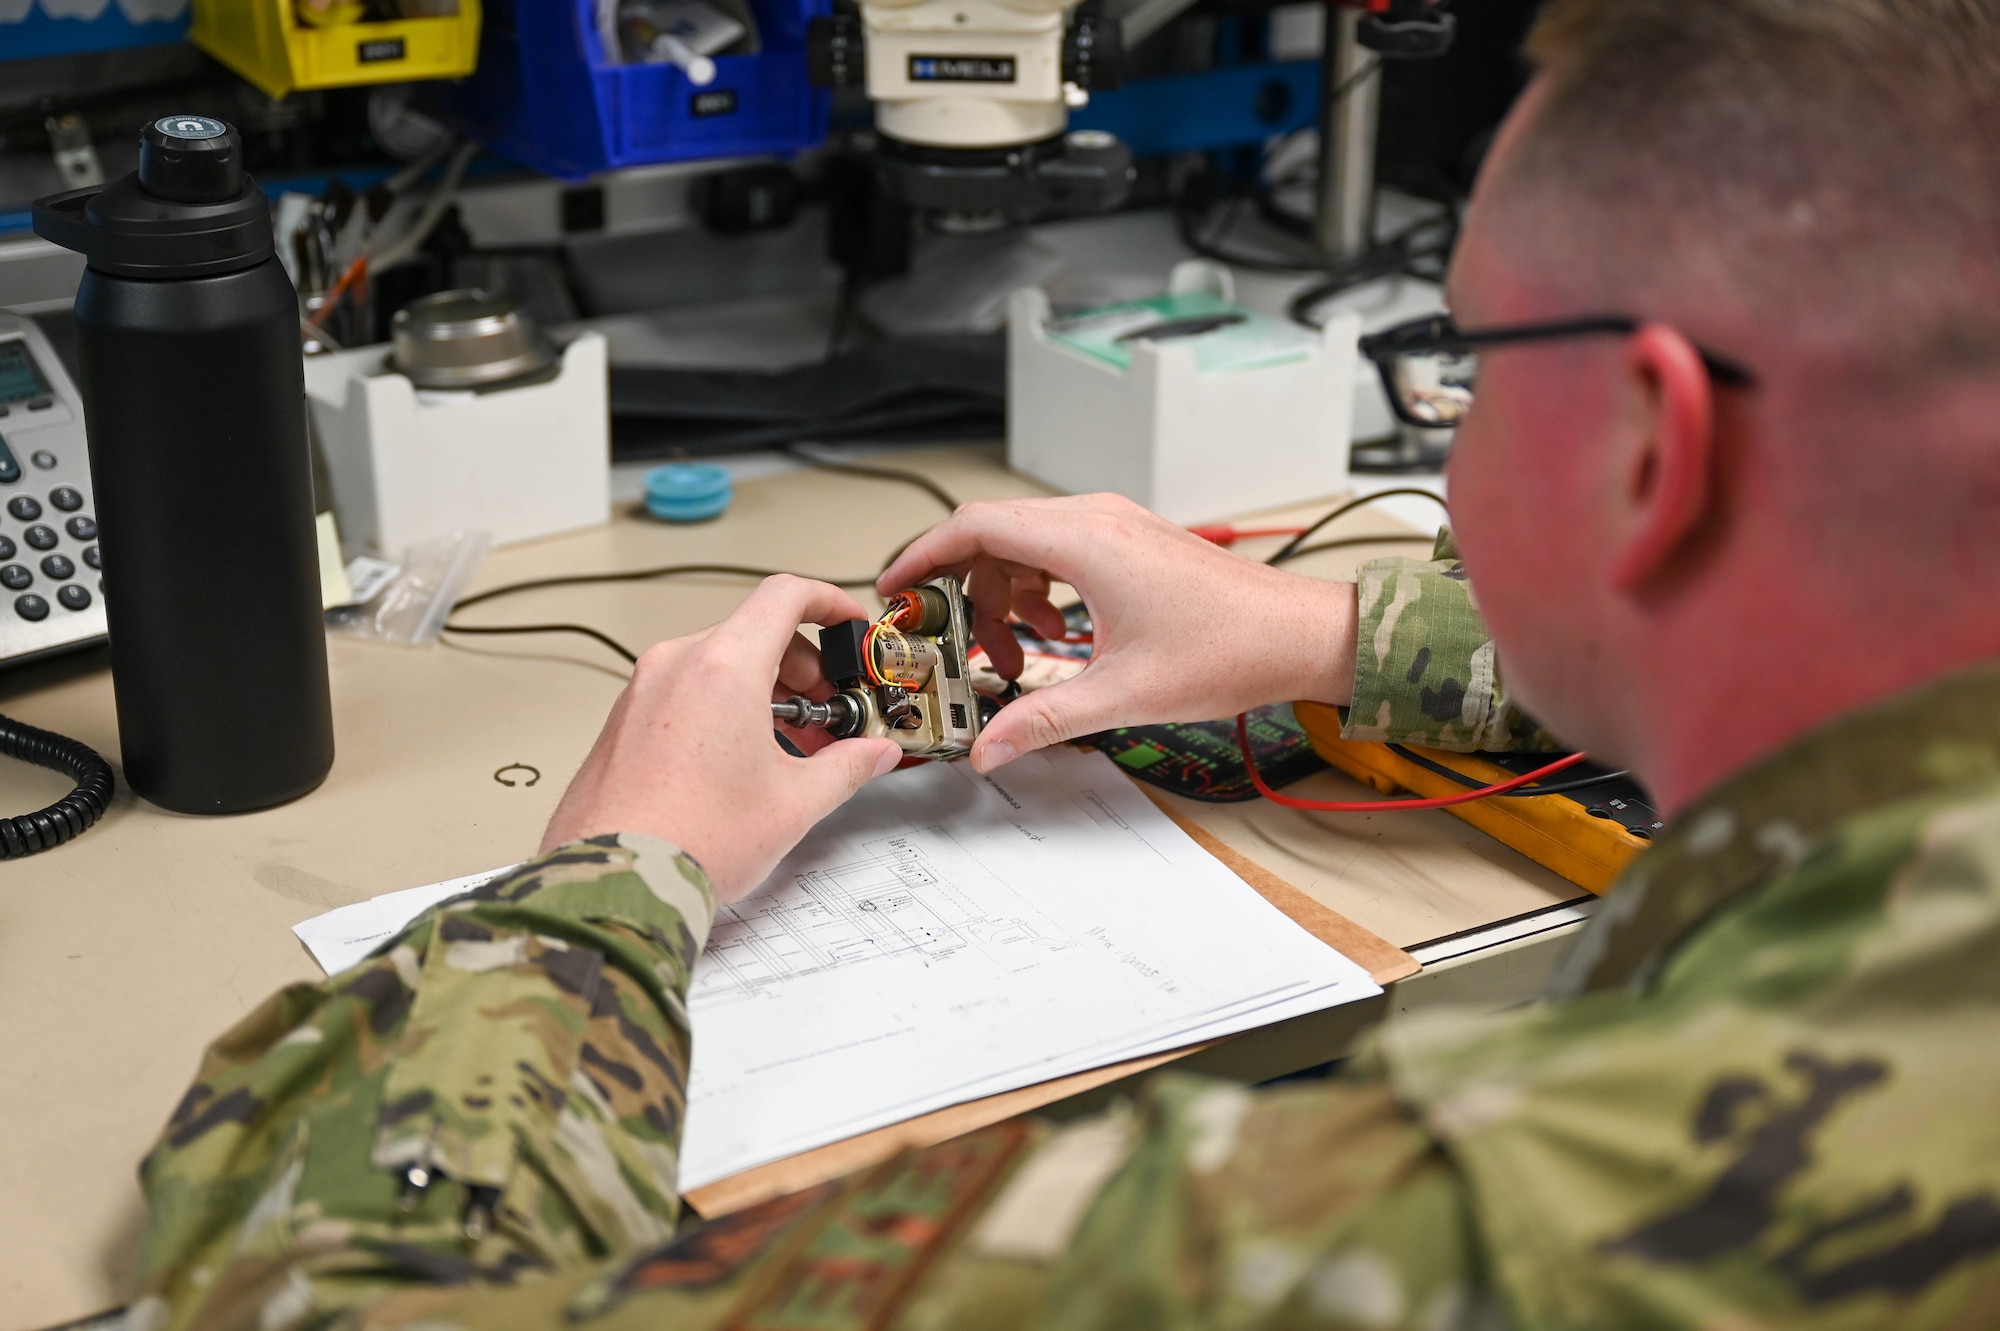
(70, 816)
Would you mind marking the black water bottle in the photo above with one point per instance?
(194, 398)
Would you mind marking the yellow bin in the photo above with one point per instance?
(264, 41)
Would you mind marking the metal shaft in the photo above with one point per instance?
(837, 714)
(802, 712)
(1344, 216)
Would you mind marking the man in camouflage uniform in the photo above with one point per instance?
(1764, 1092)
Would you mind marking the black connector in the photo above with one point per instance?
(841, 648)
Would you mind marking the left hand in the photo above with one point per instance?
(687, 754)
(1184, 630)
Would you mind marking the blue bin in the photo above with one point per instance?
(31, 30)
(545, 95)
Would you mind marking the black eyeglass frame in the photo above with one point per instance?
(1438, 333)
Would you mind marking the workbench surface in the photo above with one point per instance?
(124, 953)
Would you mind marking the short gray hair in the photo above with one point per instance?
(1834, 165)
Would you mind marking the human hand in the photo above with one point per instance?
(1183, 630)
(687, 754)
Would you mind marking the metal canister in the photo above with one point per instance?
(919, 610)
(902, 659)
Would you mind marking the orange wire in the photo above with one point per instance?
(905, 611)
(1387, 806)
(874, 676)
(356, 272)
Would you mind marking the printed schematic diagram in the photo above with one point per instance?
(894, 902)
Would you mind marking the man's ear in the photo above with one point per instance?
(1668, 490)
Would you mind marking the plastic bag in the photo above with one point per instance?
(412, 607)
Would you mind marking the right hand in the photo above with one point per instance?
(1183, 630)
(687, 754)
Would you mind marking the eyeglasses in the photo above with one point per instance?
(1429, 366)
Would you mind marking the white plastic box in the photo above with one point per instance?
(1191, 445)
(409, 464)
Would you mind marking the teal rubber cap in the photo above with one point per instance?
(687, 491)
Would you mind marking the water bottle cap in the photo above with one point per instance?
(191, 159)
(188, 211)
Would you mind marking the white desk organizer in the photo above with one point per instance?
(408, 464)
(1192, 446)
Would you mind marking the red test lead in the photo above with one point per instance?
(1389, 806)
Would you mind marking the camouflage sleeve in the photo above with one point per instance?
(476, 1129)
(1307, 1207)
(1424, 668)
(1317, 1208)
(497, 1091)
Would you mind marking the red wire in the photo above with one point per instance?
(1225, 535)
(1387, 806)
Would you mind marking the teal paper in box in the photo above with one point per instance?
(1187, 402)
(1225, 337)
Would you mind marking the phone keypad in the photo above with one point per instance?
(57, 568)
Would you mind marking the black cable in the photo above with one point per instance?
(587, 631)
(1526, 792)
(1212, 248)
(1279, 218)
(1400, 253)
(645, 575)
(72, 815)
(921, 482)
(1190, 227)
(585, 579)
(1355, 80)
(1346, 541)
(1290, 549)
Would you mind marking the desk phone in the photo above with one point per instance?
(51, 588)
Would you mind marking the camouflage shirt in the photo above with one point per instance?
(1424, 670)
(1762, 1094)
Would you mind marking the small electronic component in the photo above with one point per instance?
(903, 676)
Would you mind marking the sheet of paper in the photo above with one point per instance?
(947, 936)
(346, 934)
